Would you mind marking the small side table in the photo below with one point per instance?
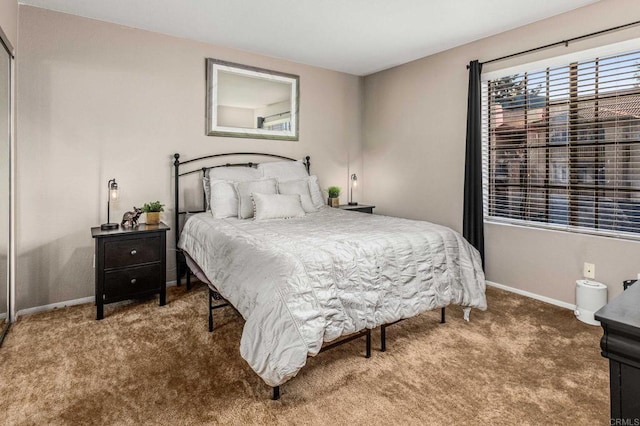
(364, 208)
(130, 263)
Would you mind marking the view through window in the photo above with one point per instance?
(562, 146)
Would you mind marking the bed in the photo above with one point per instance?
(314, 278)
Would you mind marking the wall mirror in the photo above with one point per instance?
(250, 102)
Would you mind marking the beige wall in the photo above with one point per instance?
(414, 146)
(98, 100)
(9, 20)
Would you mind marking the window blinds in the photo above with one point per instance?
(562, 146)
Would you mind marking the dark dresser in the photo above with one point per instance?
(620, 320)
(130, 263)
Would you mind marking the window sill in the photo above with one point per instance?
(561, 229)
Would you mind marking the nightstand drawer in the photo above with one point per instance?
(120, 283)
(132, 251)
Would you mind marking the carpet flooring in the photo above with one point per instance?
(520, 362)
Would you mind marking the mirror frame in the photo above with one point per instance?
(212, 128)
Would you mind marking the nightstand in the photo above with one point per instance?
(130, 263)
(364, 208)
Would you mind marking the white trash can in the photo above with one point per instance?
(590, 296)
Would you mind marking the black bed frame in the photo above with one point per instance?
(183, 269)
(181, 264)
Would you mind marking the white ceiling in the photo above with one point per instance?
(354, 36)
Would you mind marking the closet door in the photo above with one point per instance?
(5, 186)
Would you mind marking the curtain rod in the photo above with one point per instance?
(559, 43)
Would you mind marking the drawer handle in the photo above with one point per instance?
(133, 280)
(133, 252)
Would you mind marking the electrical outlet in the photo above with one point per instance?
(589, 270)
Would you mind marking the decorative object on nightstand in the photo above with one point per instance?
(130, 219)
(153, 210)
(334, 194)
(113, 196)
(354, 184)
(363, 208)
(130, 263)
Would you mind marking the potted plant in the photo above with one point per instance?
(334, 193)
(153, 210)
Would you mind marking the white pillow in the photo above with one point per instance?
(316, 193)
(298, 187)
(224, 200)
(233, 174)
(276, 206)
(283, 170)
(245, 189)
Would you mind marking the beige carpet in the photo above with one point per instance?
(520, 362)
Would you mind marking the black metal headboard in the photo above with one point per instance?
(180, 262)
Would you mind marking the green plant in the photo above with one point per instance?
(154, 206)
(334, 191)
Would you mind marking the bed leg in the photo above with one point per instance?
(442, 316)
(368, 353)
(210, 310)
(383, 338)
(276, 393)
(188, 279)
(178, 268)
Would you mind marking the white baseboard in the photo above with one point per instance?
(545, 299)
(52, 306)
(90, 299)
(58, 305)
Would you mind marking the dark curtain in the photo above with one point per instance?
(473, 224)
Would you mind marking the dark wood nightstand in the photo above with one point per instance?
(364, 208)
(130, 263)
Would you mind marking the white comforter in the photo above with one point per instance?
(301, 282)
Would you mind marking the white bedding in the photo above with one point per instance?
(301, 282)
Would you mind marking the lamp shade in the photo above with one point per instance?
(112, 187)
(113, 190)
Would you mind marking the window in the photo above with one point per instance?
(562, 147)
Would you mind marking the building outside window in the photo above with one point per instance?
(562, 147)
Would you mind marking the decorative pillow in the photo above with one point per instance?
(298, 187)
(245, 189)
(233, 174)
(283, 170)
(276, 206)
(224, 200)
(316, 194)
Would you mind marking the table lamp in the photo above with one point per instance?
(113, 196)
(354, 184)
